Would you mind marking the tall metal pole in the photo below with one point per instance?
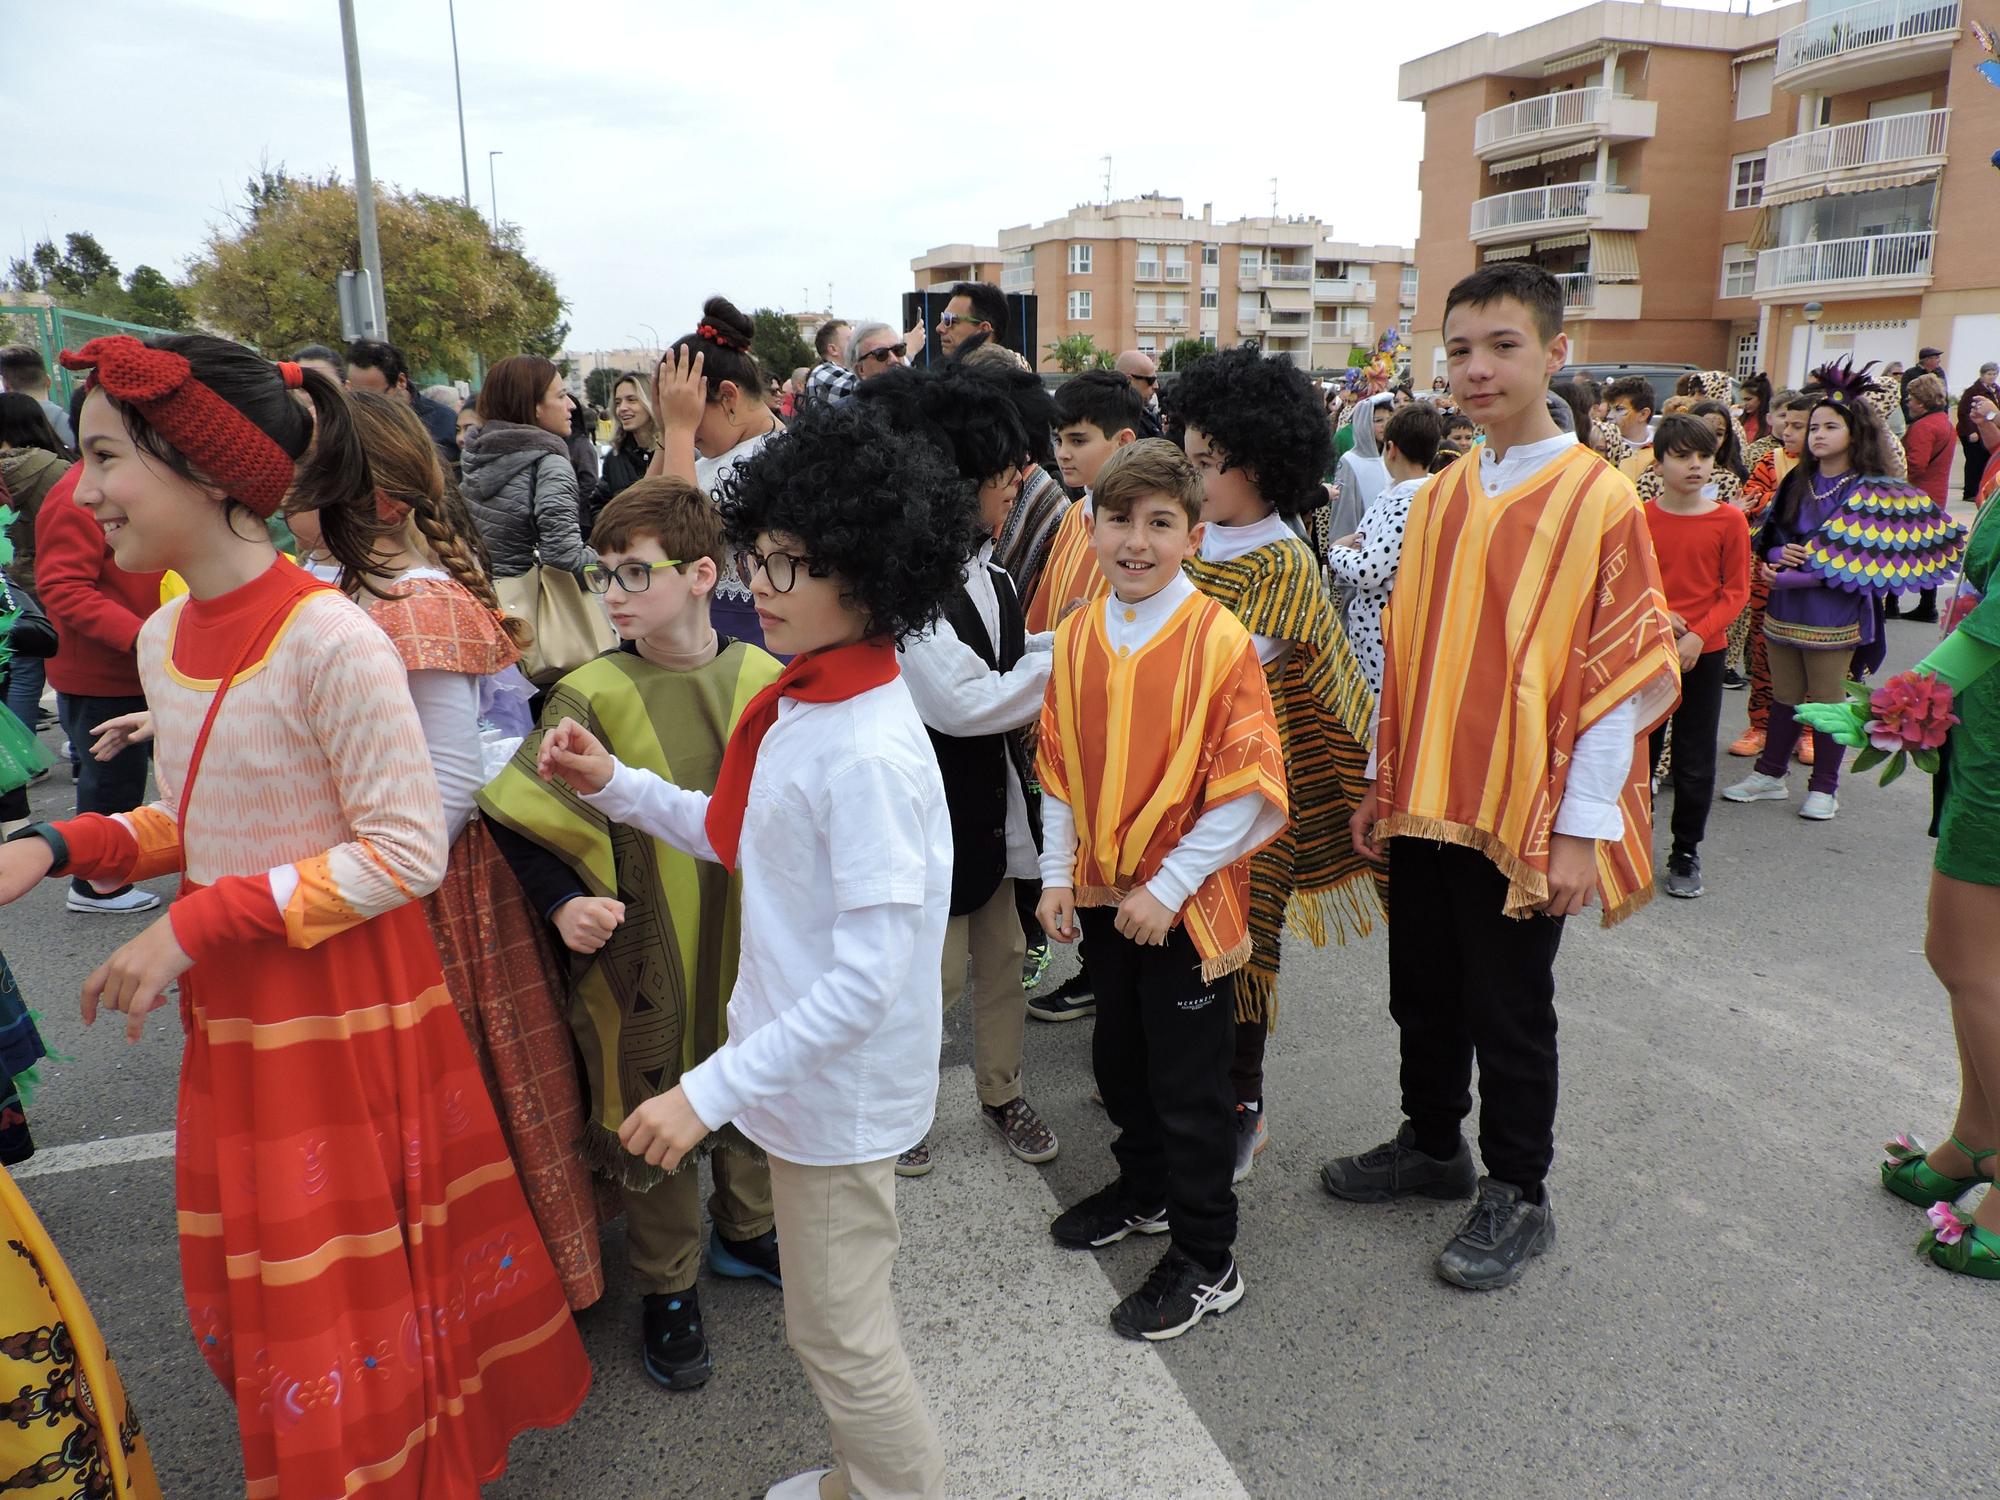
(464, 161)
(364, 181)
(493, 187)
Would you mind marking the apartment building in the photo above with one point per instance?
(1142, 273)
(1721, 189)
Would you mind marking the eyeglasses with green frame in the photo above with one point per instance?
(633, 577)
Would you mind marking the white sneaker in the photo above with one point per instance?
(1757, 787)
(134, 900)
(799, 1487)
(1819, 806)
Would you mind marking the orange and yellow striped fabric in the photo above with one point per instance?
(1140, 746)
(1520, 620)
(1071, 573)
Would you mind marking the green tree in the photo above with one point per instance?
(453, 287)
(150, 298)
(1079, 352)
(1182, 353)
(778, 345)
(81, 275)
(599, 384)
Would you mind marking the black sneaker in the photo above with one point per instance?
(1104, 1218)
(1498, 1238)
(1071, 1000)
(1683, 877)
(743, 1260)
(1397, 1169)
(675, 1348)
(1734, 680)
(1178, 1295)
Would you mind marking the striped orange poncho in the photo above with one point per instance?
(1518, 622)
(1071, 572)
(1140, 746)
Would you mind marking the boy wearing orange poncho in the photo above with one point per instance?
(1528, 652)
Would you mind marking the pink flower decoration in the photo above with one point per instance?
(1911, 712)
(1950, 1229)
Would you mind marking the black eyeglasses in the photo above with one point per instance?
(886, 352)
(782, 568)
(633, 577)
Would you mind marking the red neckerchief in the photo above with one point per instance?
(830, 676)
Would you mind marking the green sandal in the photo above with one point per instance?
(1911, 1178)
(1960, 1245)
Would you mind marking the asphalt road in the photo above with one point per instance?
(1732, 1308)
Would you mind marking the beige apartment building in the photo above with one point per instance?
(1722, 189)
(1142, 273)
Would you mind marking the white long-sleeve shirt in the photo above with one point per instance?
(1220, 836)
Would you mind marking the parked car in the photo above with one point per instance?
(1662, 378)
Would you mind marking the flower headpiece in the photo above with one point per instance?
(1844, 386)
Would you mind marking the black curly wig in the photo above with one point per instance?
(885, 510)
(1263, 414)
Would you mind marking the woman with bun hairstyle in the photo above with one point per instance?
(360, 1267)
(708, 397)
(516, 473)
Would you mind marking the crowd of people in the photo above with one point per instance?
(562, 820)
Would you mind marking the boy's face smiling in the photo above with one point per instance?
(1081, 451)
(1499, 364)
(1141, 550)
(813, 614)
(1229, 497)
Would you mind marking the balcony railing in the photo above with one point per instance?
(1865, 143)
(1877, 23)
(1866, 260)
(1147, 270)
(1344, 333)
(1562, 200)
(1177, 271)
(1579, 290)
(1288, 275)
(1017, 278)
(1325, 290)
(1570, 109)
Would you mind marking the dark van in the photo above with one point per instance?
(1661, 377)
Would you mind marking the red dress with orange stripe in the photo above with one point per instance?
(359, 1262)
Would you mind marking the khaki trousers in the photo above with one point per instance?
(990, 940)
(1808, 676)
(663, 1226)
(837, 1229)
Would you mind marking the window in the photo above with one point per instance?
(1079, 262)
(1208, 297)
(1147, 307)
(1248, 304)
(1403, 327)
(1177, 269)
(1739, 271)
(1249, 262)
(1746, 355)
(1753, 88)
(1147, 346)
(1746, 180)
(1409, 293)
(1173, 306)
(1211, 255)
(1149, 263)
(1079, 306)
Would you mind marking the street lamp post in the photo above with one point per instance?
(493, 187)
(364, 181)
(1812, 311)
(458, 88)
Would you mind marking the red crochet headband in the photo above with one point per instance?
(212, 435)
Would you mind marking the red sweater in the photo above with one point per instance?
(97, 607)
(1704, 568)
(1928, 447)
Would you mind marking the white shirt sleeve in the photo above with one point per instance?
(448, 706)
(1598, 769)
(656, 807)
(1220, 837)
(1270, 649)
(958, 694)
(1058, 855)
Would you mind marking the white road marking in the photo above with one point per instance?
(118, 1151)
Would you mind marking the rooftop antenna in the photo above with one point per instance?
(829, 299)
(1107, 180)
(1274, 197)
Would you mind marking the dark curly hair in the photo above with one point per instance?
(1264, 415)
(885, 510)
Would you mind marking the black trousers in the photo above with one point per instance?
(1467, 981)
(1695, 723)
(1976, 459)
(114, 786)
(1162, 1050)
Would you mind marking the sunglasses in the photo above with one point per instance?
(886, 352)
(1145, 379)
(949, 320)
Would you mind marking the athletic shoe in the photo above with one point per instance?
(1734, 680)
(124, 904)
(1757, 787)
(1022, 1129)
(1397, 1169)
(1749, 744)
(675, 1348)
(1498, 1239)
(915, 1162)
(743, 1260)
(1105, 1218)
(799, 1487)
(1178, 1295)
(1683, 877)
(1035, 964)
(1253, 1134)
(1071, 1000)
(1819, 806)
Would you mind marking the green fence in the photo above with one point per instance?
(53, 329)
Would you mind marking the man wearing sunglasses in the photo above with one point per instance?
(975, 307)
(1139, 367)
(875, 348)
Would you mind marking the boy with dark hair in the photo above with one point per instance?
(1097, 413)
(1253, 430)
(1629, 400)
(851, 537)
(1568, 665)
(1161, 774)
(974, 308)
(651, 929)
(1364, 563)
(1703, 550)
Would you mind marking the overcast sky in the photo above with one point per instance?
(656, 153)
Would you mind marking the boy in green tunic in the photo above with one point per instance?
(651, 932)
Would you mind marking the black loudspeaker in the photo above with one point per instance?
(925, 307)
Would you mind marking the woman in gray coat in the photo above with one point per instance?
(516, 472)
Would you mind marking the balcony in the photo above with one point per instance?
(1177, 271)
(1563, 119)
(1879, 41)
(1284, 324)
(1843, 153)
(1285, 276)
(1585, 297)
(1560, 206)
(1861, 267)
(1344, 333)
(1350, 292)
(1018, 279)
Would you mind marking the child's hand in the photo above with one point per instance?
(680, 393)
(1350, 541)
(1679, 623)
(1689, 647)
(587, 922)
(22, 863)
(572, 755)
(663, 1129)
(135, 978)
(1361, 827)
(1145, 919)
(1793, 555)
(1766, 572)
(1572, 875)
(116, 735)
(1056, 911)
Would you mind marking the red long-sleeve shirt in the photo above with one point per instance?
(97, 607)
(1704, 567)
